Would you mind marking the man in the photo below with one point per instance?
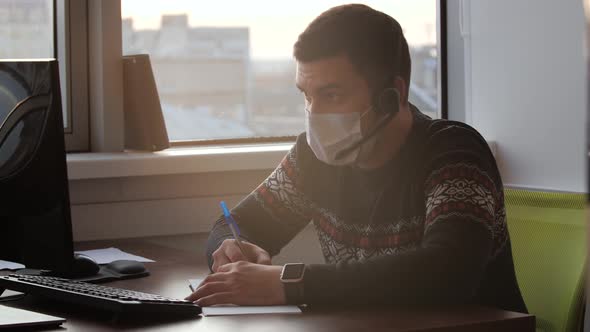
(408, 210)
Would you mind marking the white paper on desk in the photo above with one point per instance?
(227, 310)
(108, 255)
(6, 265)
(13, 317)
(9, 293)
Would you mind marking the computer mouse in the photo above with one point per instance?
(126, 267)
(84, 266)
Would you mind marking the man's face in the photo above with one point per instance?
(332, 85)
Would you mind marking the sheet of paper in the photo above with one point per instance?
(108, 255)
(226, 310)
(250, 310)
(9, 293)
(12, 317)
(6, 265)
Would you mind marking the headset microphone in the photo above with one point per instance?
(343, 153)
(388, 102)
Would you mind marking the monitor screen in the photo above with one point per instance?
(34, 201)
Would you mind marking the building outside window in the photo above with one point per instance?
(224, 69)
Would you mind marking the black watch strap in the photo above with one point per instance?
(292, 279)
(294, 292)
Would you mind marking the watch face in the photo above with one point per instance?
(293, 271)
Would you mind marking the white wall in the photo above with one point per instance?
(155, 205)
(527, 84)
(170, 204)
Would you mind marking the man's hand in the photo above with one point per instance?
(229, 252)
(241, 283)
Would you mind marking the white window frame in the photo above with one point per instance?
(72, 52)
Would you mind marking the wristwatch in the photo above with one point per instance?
(292, 279)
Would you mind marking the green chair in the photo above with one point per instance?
(548, 235)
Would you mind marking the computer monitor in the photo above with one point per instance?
(35, 221)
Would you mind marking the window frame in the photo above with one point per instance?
(441, 39)
(71, 50)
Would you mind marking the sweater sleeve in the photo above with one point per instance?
(463, 206)
(272, 214)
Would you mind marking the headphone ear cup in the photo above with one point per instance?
(388, 101)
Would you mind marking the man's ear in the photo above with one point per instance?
(403, 89)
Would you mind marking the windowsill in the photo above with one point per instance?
(190, 160)
(82, 166)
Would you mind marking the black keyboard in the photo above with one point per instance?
(117, 300)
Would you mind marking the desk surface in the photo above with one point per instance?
(175, 264)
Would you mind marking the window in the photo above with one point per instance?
(224, 69)
(35, 29)
(26, 29)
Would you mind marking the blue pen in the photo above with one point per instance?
(233, 226)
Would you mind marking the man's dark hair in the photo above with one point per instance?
(372, 40)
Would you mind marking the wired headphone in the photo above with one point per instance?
(386, 102)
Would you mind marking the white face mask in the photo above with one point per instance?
(330, 133)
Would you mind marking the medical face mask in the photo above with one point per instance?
(330, 133)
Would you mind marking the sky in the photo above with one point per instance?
(275, 25)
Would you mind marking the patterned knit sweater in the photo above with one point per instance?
(429, 227)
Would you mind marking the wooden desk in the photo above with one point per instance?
(175, 264)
